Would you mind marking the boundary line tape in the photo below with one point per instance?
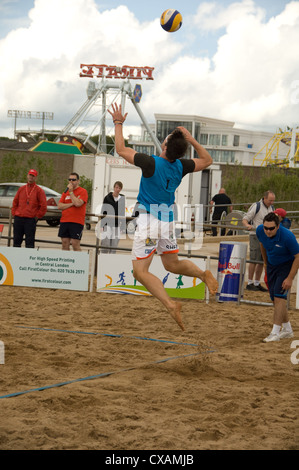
(105, 374)
(107, 334)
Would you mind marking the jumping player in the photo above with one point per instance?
(155, 227)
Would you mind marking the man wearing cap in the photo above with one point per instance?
(251, 221)
(283, 220)
(29, 205)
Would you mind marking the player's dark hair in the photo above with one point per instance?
(176, 146)
(272, 217)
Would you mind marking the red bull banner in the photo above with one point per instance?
(231, 271)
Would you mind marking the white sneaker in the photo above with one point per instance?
(286, 334)
(271, 337)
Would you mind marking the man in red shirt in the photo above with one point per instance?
(29, 205)
(73, 205)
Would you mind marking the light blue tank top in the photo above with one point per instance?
(157, 193)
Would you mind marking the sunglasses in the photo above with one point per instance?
(72, 179)
(269, 228)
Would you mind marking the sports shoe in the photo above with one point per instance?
(252, 287)
(261, 288)
(271, 337)
(285, 334)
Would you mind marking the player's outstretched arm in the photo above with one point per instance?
(118, 119)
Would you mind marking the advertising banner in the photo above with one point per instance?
(115, 276)
(55, 269)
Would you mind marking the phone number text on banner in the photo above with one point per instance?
(54, 269)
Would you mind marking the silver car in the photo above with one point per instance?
(9, 190)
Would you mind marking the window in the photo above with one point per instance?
(2, 190)
(236, 141)
(148, 149)
(216, 155)
(12, 191)
(164, 128)
(222, 156)
(214, 139)
(203, 139)
(224, 139)
(197, 131)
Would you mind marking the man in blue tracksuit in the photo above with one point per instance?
(155, 231)
(280, 251)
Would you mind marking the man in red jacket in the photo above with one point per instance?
(29, 205)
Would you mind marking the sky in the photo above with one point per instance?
(230, 60)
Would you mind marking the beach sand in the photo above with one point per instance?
(224, 389)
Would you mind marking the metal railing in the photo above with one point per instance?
(205, 225)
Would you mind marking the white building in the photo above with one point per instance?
(225, 142)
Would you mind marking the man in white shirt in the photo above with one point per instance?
(251, 221)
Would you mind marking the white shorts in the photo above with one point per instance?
(153, 235)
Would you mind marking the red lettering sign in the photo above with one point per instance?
(112, 71)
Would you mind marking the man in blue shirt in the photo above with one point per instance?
(160, 178)
(280, 251)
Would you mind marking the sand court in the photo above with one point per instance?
(147, 385)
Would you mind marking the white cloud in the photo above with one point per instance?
(43, 60)
(248, 80)
(211, 16)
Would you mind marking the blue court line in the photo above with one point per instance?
(91, 377)
(107, 334)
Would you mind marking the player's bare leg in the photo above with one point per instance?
(175, 312)
(210, 282)
(186, 267)
(155, 286)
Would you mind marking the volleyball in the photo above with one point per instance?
(171, 20)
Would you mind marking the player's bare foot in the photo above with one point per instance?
(175, 312)
(210, 282)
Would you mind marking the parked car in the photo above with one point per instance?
(9, 190)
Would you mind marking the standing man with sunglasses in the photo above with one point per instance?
(280, 251)
(73, 205)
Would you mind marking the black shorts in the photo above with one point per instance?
(70, 230)
(276, 275)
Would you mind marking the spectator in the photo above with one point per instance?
(251, 221)
(221, 202)
(29, 205)
(114, 204)
(284, 221)
(73, 205)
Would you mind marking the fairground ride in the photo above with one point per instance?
(92, 118)
(270, 153)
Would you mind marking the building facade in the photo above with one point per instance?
(226, 143)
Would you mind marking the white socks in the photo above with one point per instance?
(275, 330)
(287, 326)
